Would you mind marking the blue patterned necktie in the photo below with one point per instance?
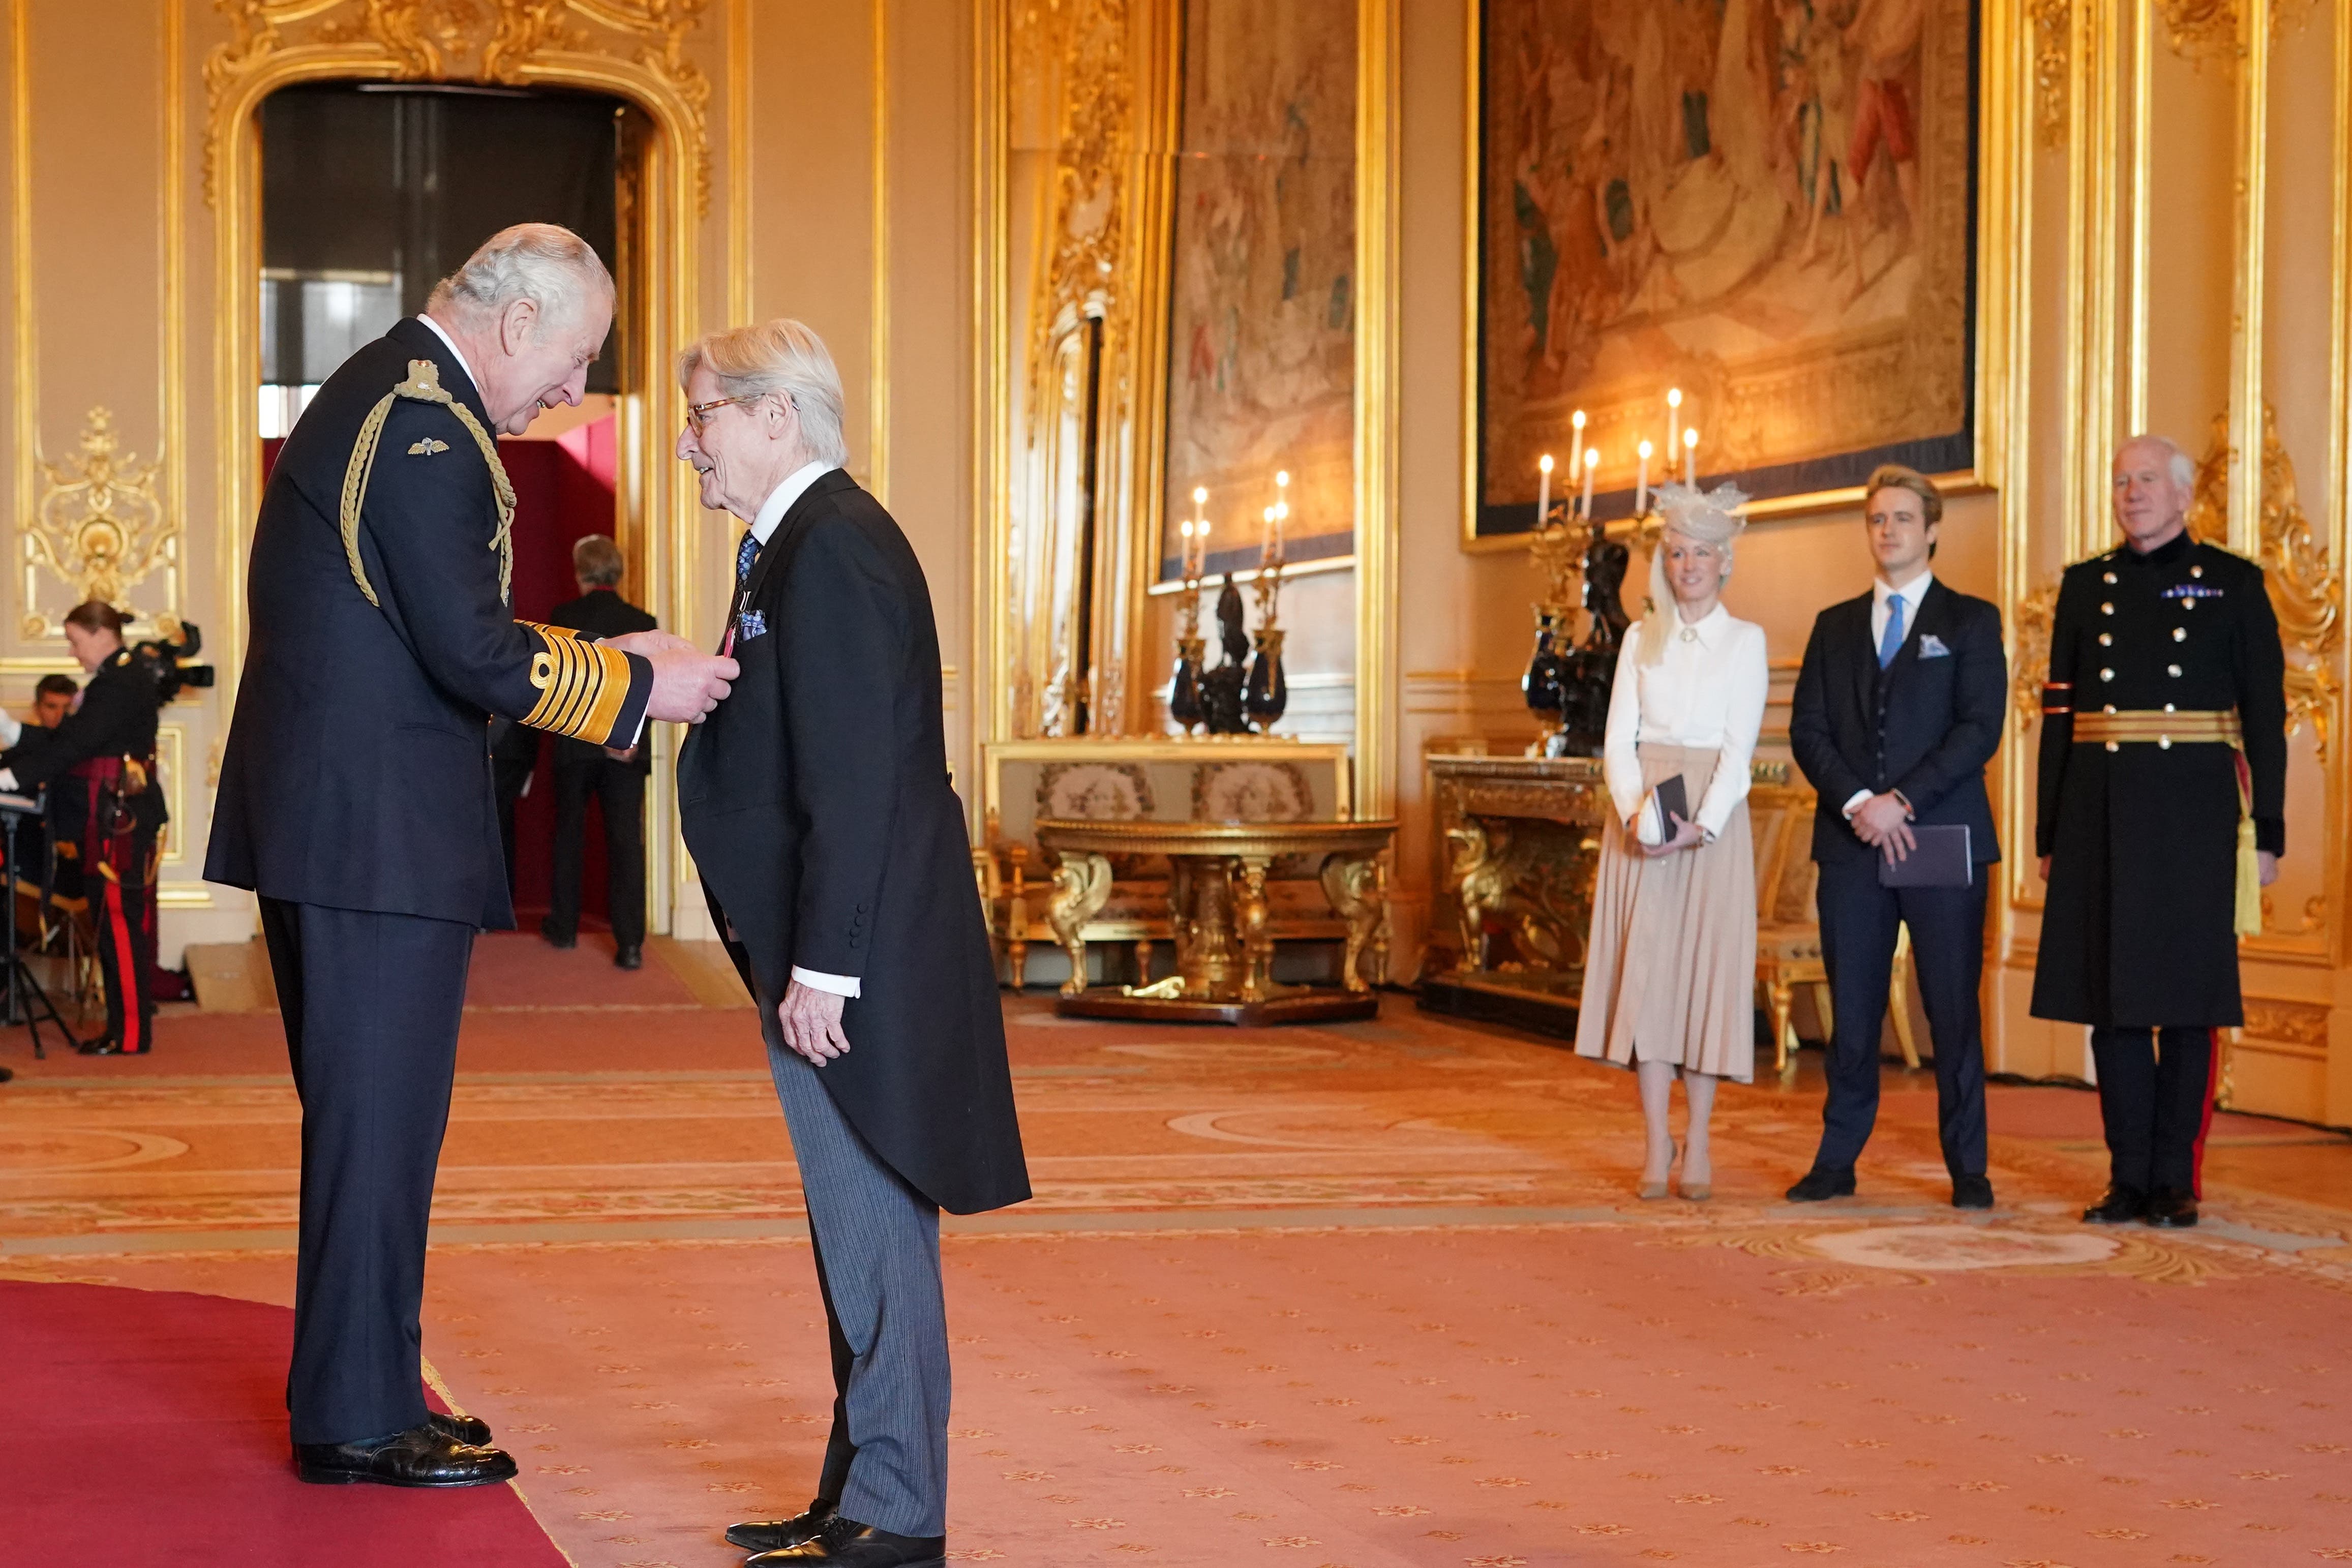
(1890, 643)
(745, 554)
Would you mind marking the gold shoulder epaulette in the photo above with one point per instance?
(582, 686)
(424, 386)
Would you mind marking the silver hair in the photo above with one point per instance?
(784, 357)
(2182, 467)
(550, 266)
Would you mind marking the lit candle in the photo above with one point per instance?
(1591, 461)
(1690, 455)
(1200, 531)
(1543, 487)
(1642, 482)
(1674, 423)
(1266, 538)
(1281, 516)
(1201, 562)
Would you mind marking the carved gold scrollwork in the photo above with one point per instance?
(2035, 614)
(2202, 30)
(2053, 22)
(2306, 591)
(467, 40)
(100, 528)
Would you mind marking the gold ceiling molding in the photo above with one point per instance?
(101, 527)
(510, 42)
(2053, 20)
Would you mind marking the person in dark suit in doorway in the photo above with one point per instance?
(1898, 708)
(616, 776)
(355, 796)
(834, 852)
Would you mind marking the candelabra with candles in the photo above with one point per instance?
(1248, 688)
(1567, 683)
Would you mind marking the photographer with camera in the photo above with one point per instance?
(106, 806)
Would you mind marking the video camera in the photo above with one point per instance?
(165, 657)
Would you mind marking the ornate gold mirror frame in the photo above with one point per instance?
(631, 51)
(1110, 68)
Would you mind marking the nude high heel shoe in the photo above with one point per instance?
(1658, 1189)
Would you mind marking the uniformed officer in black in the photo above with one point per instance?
(355, 795)
(616, 777)
(2163, 782)
(105, 813)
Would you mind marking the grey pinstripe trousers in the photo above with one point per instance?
(877, 1255)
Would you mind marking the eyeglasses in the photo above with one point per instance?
(697, 415)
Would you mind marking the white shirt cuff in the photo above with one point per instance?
(11, 730)
(839, 984)
(1858, 799)
(8, 780)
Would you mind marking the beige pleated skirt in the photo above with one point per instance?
(1670, 967)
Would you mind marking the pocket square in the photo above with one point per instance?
(750, 624)
(1932, 647)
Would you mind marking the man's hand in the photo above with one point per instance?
(687, 684)
(628, 755)
(1685, 834)
(1883, 823)
(2045, 868)
(2269, 863)
(647, 644)
(811, 1022)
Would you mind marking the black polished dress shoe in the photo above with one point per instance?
(2171, 1208)
(467, 1429)
(776, 1534)
(555, 939)
(628, 958)
(424, 1456)
(2121, 1206)
(1822, 1183)
(1971, 1193)
(105, 1045)
(846, 1543)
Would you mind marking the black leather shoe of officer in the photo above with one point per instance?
(2171, 1208)
(776, 1534)
(555, 939)
(424, 1456)
(1821, 1182)
(628, 958)
(1971, 1193)
(461, 1429)
(2121, 1206)
(846, 1543)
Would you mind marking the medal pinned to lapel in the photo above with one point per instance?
(427, 447)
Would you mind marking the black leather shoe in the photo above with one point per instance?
(849, 1544)
(2171, 1208)
(555, 939)
(465, 1429)
(105, 1045)
(2121, 1206)
(424, 1456)
(776, 1534)
(1822, 1183)
(1971, 1193)
(628, 958)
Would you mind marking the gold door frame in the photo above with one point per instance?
(655, 507)
(1132, 453)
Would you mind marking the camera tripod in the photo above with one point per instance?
(23, 1000)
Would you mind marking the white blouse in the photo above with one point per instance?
(1708, 693)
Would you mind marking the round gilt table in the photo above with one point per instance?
(1218, 911)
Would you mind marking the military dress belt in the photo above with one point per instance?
(2165, 728)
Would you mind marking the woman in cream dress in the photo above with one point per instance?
(1670, 968)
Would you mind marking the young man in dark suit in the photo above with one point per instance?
(355, 796)
(1898, 708)
(833, 851)
(616, 776)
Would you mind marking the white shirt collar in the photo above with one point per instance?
(1911, 593)
(1708, 630)
(442, 333)
(780, 499)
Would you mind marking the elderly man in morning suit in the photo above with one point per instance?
(2162, 814)
(355, 795)
(833, 848)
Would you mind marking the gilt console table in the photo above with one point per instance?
(1218, 916)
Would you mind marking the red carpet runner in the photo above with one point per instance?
(149, 1427)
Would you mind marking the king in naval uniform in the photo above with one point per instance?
(2163, 781)
(355, 795)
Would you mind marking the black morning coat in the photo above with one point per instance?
(357, 772)
(1927, 725)
(2138, 927)
(116, 717)
(817, 805)
(596, 614)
